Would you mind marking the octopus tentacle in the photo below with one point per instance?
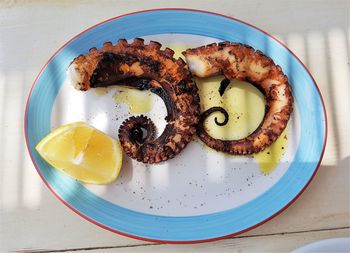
(211, 110)
(235, 60)
(223, 85)
(141, 66)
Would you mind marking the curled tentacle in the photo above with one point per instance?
(223, 85)
(134, 132)
(144, 67)
(211, 110)
(234, 60)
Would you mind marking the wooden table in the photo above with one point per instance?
(31, 218)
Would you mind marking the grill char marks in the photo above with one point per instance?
(145, 67)
(153, 66)
(108, 72)
(242, 62)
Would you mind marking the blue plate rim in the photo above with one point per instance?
(175, 241)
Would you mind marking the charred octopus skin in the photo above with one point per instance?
(144, 67)
(234, 60)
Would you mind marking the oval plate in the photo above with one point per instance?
(200, 195)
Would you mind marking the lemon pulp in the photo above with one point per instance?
(82, 152)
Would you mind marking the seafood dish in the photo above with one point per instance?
(141, 66)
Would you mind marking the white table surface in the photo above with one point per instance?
(32, 219)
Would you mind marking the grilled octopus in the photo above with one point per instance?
(235, 60)
(141, 66)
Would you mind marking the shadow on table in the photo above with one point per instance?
(320, 42)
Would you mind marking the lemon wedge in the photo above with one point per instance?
(82, 152)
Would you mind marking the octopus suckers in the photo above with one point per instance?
(142, 66)
(242, 62)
